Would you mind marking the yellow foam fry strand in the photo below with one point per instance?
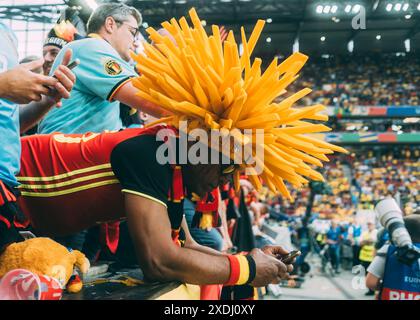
(217, 80)
(293, 63)
(147, 97)
(301, 155)
(276, 165)
(227, 99)
(289, 101)
(266, 76)
(192, 109)
(253, 178)
(255, 74)
(235, 56)
(302, 113)
(177, 67)
(197, 22)
(228, 59)
(236, 180)
(268, 181)
(216, 56)
(321, 156)
(322, 144)
(236, 108)
(238, 136)
(200, 48)
(287, 156)
(201, 95)
(320, 117)
(154, 54)
(226, 123)
(216, 34)
(282, 187)
(246, 61)
(155, 65)
(258, 122)
(231, 77)
(215, 99)
(303, 129)
(152, 75)
(301, 145)
(169, 27)
(265, 95)
(185, 28)
(169, 90)
(231, 37)
(254, 38)
(293, 178)
(161, 120)
(270, 152)
(154, 35)
(196, 69)
(139, 85)
(165, 101)
(180, 89)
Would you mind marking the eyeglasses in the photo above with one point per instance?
(229, 169)
(133, 30)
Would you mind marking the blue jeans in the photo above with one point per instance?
(212, 238)
(334, 251)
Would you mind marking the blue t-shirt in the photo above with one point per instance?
(334, 234)
(90, 108)
(9, 113)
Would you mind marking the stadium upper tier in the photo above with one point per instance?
(369, 80)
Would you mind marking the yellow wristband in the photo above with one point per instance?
(244, 270)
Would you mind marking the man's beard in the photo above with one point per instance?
(47, 68)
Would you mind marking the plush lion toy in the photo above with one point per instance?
(44, 256)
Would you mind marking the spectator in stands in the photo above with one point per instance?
(57, 38)
(333, 240)
(18, 85)
(367, 248)
(355, 233)
(103, 75)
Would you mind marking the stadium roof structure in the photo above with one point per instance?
(322, 26)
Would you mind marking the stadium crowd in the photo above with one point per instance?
(368, 80)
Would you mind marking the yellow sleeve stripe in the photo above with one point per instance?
(244, 270)
(65, 175)
(68, 191)
(145, 196)
(118, 87)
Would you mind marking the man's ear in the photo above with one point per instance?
(110, 24)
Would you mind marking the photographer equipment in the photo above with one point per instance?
(391, 218)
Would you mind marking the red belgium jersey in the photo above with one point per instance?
(67, 182)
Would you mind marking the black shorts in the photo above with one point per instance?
(10, 214)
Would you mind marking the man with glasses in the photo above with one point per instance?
(103, 76)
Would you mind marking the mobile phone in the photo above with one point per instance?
(73, 64)
(288, 258)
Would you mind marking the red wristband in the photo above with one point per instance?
(235, 270)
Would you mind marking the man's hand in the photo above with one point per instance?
(66, 80)
(269, 269)
(278, 252)
(21, 85)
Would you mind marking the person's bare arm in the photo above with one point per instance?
(127, 94)
(372, 282)
(192, 244)
(32, 113)
(162, 260)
